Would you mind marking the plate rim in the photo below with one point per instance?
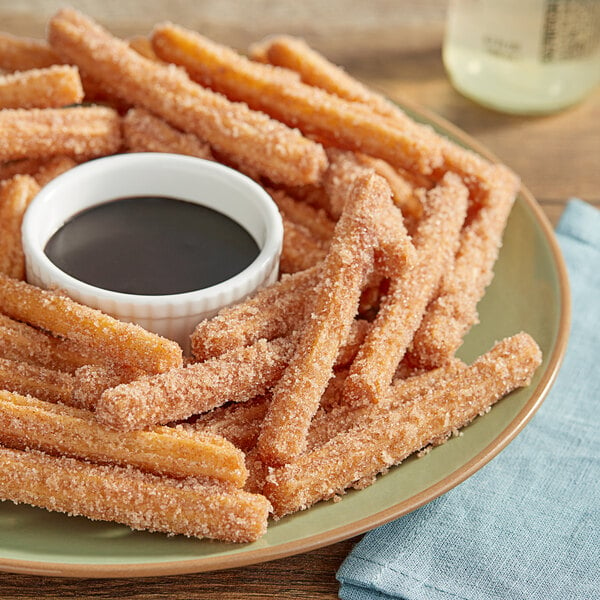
(333, 536)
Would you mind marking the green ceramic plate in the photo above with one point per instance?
(529, 292)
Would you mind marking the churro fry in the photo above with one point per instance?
(274, 311)
(451, 314)
(21, 342)
(91, 381)
(129, 496)
(314, 111)
(404, 187)
(15, 196)
(300, 250)
(315, 70)
(436, 239)
(314, 220)
(52, 168)
(22, 54)
(27, 422)
(345, 269)
(239, 423)
(344, 168)
(143, 132)
(53, 87)
(46, 384)
(80, 132)
(336, 416)
(237, 375)
(111, 340)
(231, 128)
(360, 453)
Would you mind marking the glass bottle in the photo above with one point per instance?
(523, 56)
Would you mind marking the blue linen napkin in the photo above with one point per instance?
(527, 525)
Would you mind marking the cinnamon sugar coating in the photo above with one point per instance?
(454, 310)
(237, 375)
(22, 342)
(129, 496)
(435, 240)
(21, 54)
(98, 334)
(231, 128)
(52, 168)
(300, 249)
(274, 311)
(81, 132)
(52, 87)
(143, 132)
(270, 89)
(27, 422)
(348, 263)
(15, 196)
(385, 437)
(46, 384)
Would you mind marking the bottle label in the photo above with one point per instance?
(546, 31)
(571, 29)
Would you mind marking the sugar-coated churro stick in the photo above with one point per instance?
(404, 187)
(129, 496)
(451, 314)
(436, 239)
(237, 375)
(315, 220)
(91, 381)
(53, 87)
(143, 132)
(113, 341)
(345, 269)
(300, 250)
(272, 312)
(80, 132)
(344, 167)
(15, 196)
(46, 384)
(21, 342)
(52, 168)
(344, 171)
(22, 54)
(346, 124)
(342, 416)
(239, 423)
(386, 437)
(230, 128)
(314, 69)
(27, 422)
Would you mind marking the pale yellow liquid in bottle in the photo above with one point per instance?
(523, 56)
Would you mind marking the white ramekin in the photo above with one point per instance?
(155, 174)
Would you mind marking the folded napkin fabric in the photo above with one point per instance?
(527, 525)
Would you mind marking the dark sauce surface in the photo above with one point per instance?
(151, 246)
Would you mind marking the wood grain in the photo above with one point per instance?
(556, 156)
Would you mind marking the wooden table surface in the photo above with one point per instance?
(557, 157)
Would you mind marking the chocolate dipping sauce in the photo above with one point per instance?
(151, 246)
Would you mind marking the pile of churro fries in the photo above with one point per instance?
(312, 386)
